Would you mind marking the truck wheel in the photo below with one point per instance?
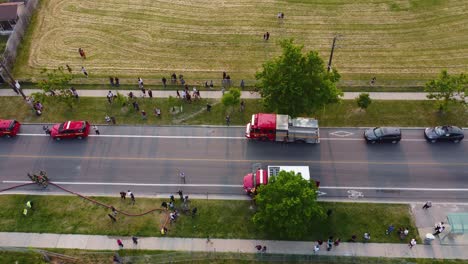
(8, 136)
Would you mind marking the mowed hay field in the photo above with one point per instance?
(401, 42)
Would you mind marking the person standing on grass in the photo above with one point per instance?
(68, 68)
(82, 53)
(228, 120)
(132, 196)
(111, 80)
(164, 81)
(117, 82)
(122, 195)
(83, 70)
(181, 195)
(140, 82)
(137, 106)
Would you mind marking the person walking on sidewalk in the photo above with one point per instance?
(96, 129)
(412, 243)
(329, 243)
(427, 205)
(135, 240)
(119, 242)
(439, 228)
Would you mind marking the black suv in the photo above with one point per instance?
(382, 134)
(443, 133)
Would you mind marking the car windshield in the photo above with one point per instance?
(61, 127)
(440, 131)
(378, 132)
(12, 125)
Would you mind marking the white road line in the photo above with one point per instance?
(394, 189)
(134, 184)
(200, 137)
(239, 186)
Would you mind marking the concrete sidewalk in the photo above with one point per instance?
(444, 247)
(92, 242)
(218, 94)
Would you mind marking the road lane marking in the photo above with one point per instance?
(200, 137)
(135, 184)
(394, 189)
(236, 160)
(347, 188)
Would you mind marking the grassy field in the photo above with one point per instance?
(218, 219)
(346, 113)
(400, 42)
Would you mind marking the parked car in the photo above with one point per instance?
(444, 133)
(382, 135)
(9, 128)
(70, 129)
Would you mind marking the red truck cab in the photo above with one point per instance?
(262, 126)
(9, 128)
(70, 129)
(260, 176)
(254, 179)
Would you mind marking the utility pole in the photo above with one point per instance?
(331, 54)
(12, 80)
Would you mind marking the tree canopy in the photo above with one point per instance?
(58, 84)
(447, 88)
(295, 83)
(363, 101)
(287, 205)
(231, 98)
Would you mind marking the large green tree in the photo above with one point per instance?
(57, 83)
(295, 83)
(363, 101)
(231, 98)
(287, 206)
(447, 88)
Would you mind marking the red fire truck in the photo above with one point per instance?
(260, 176)
(283, 128)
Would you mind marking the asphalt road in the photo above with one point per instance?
(147, 160)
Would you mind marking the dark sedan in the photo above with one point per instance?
(444, 133)
(383, 134)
